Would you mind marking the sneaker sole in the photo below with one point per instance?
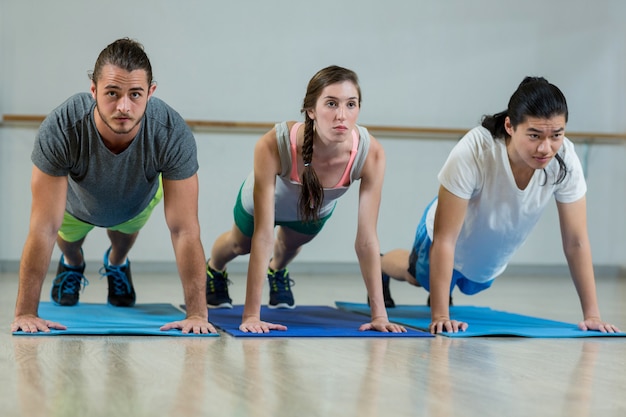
(223, 305)
(56, 303)
(121, 305)
(281, 305)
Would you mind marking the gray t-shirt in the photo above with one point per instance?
(105, 189)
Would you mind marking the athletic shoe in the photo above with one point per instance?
(428, 301)
(280, 289)
(67, 283)
(389, 303)
(217, 289)
(121, 291)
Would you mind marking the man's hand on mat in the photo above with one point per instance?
(383, 325)
(444, 324)
(254, 325)
(29, 323)
(595, 323)
(195, 325)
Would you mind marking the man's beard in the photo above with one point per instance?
(113, 129)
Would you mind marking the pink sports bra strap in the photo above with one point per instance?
(293, 139)
(345, 178)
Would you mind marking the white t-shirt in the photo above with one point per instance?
(499, 215)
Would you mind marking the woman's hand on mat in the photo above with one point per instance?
(29, 323)
(195, 325)
(255, 325)
(444, 324)
(595, 323)
(383, 325)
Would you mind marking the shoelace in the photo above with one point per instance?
(281, 282)
(121, 286)
(70, 280)
(218, 282)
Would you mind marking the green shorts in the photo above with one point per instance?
(245, 221)
(73, 229)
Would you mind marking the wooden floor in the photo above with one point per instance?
(167, 376)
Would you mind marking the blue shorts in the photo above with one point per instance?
(419, 263)
(245, 221)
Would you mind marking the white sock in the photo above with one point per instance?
(122, 264)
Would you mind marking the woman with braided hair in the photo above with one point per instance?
(300, 170)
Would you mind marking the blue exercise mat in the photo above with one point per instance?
(303, 321)
(482, 321)
(104, 319)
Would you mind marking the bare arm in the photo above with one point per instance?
(47, 209)
(366, 245)
(181, 215)
(449, 219)
(266, 167)
(573, 222)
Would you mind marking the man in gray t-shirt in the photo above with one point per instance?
(106, 159)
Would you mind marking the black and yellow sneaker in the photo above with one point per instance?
(280, 289)
(217, 289)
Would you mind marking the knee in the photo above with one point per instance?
(241, 248)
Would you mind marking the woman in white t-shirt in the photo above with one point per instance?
(494, 186)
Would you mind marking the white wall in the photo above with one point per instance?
(421, 63)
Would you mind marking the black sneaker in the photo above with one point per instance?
(67, 283)
(121, 291)
(280, 289)
(217, 289)
(428, 301)
(389, 303)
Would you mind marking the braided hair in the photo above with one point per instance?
(312, 193)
